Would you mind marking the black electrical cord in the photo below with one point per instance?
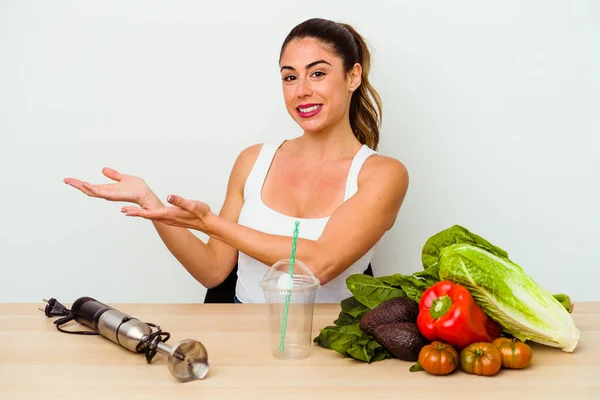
(70, 317)
(148, 345)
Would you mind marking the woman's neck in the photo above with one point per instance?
(333, 143)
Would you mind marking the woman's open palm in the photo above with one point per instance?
(128, 188)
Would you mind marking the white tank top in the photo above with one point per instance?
(256, 215)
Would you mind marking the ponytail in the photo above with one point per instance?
(365, 112)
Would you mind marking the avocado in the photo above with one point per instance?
(402, 339)
(398, 309)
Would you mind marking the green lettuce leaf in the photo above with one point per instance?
(565, 301)
(509, 296)
(456, 234)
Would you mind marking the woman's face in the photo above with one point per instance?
(316, 89)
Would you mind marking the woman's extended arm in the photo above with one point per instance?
(209, 263)
(350, 232)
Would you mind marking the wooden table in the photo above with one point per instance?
(38, 362)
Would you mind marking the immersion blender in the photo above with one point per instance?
(187, 359)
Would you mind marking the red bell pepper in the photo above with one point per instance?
(448, 312)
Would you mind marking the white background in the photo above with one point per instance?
(493, 106)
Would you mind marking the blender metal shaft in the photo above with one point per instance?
(165, 349)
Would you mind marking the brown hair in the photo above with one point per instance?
(347, 43)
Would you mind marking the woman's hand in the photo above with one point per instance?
(184, 213)
(128, 188)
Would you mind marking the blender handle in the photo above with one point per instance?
(87, 311)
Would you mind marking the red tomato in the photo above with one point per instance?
(481, 358)
(515, 354)
(438, 358)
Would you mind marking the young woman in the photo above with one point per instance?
(331, 179)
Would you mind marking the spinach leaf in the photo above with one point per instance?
(377, 351)
(353, 307)
(359, 350)
(345, 319)
(339, 338)
(352, 311)
(370, 291)
(351, 341)
(431, 275)
(368, 351)
(412, 286)
(380, 353)
(389, 280)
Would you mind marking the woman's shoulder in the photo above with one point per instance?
(378, 167)
(249, 155)
(384, 180)
(383, 176)
(245, 162)
(251, 152)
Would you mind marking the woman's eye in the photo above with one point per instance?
(318, 74)
(289, 78)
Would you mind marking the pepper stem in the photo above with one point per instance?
(440, 306)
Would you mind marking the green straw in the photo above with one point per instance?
(289, 293)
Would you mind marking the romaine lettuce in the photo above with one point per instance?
(509, 296)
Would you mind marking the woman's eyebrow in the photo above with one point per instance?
(312, 64)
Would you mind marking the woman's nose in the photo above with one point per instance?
(303, 88)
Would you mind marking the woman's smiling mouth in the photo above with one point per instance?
(308, 110)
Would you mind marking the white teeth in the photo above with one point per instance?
(309, 109)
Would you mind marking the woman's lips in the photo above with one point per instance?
(308, 110)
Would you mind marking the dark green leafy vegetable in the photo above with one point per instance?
(416, 367)
(371, 291)
(389, 280)
(345, 319)
(368, 350)
(431, 275)
(351, 313)
(350, 341)
(338, 338)
(413, 285)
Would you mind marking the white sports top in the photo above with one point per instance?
(256, 215)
